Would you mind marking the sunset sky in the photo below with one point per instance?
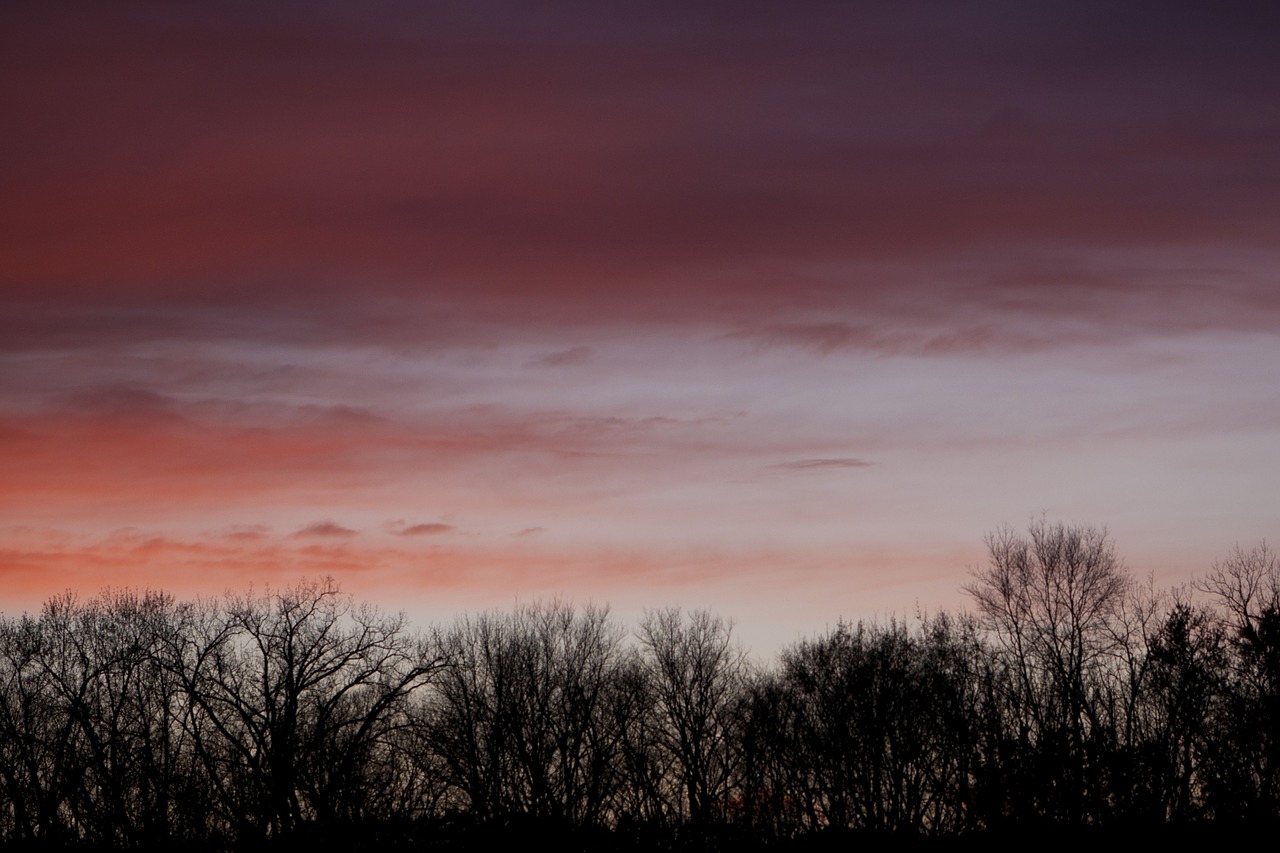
(772, 308)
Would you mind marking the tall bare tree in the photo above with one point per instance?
(1051, 598)
(698, 674)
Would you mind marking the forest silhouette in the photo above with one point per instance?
(1072, 699)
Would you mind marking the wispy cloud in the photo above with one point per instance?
(564, 358)
(329, 529)
(246, 532)
(821, 464)
(898, 334)
(426, 529)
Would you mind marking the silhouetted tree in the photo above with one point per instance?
(39, 757)
(1189, 672)
(530, 716)
(876, 728)
(1246, 585)
(88, 724)
(1072, 696)
(697, 674)
(292, 697)
(1050, 599)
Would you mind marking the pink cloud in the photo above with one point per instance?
(426, 529)
(325, 529)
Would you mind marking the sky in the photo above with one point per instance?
(773, 309)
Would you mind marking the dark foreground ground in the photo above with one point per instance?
(435, 837)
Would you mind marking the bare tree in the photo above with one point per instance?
(1189, 665)
(89, 745)
(1247, 586)
(293, 696)
(530, 715)
(1050, 599)
(698, 674)
(874, 728)
(39, 764)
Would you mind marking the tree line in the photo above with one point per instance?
(1071, 696)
